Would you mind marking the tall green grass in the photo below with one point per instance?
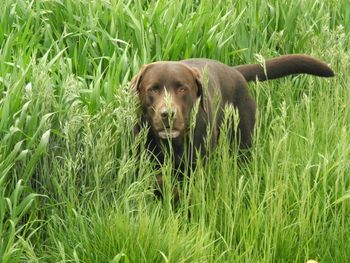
(74, 189)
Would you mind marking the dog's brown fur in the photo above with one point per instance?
(168, 92)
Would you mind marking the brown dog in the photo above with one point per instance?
(168, 91)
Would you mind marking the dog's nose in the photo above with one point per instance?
(167, 113)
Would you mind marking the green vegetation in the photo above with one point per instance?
(72, 188)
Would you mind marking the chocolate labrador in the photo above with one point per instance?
(168, 92)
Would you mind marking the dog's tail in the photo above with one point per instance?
(284, 66)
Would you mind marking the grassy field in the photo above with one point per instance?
(72, 187)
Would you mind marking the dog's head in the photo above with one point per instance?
(168, 92)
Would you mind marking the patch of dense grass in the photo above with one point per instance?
(72, 188)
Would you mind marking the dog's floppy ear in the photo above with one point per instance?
(136, 80)
(200, 90)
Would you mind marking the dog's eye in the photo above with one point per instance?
(182, 89)
(154, 89)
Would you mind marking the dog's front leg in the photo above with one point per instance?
(159, 191)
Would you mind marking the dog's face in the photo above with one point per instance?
(168, 91)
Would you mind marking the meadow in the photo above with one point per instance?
(72, 185)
